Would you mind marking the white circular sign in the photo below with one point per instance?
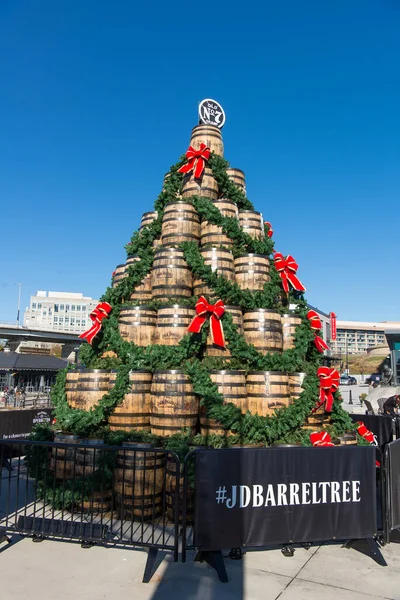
(211, 113)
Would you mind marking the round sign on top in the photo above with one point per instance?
(211, 113)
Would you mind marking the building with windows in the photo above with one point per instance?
(358, 337)
(60, 311)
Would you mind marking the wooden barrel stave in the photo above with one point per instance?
(267, 391)
(252, 272)
(174, 405)
(171, 276)
(172, 324)
(209, 135)
(134, 411)
(137, 324)
(263, 329)
(181, 223)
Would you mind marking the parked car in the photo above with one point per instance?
(375, 378)
(348, 380)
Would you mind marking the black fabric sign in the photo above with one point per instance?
(19, 423)
(255, 497)
(394, 484)
(381, 426)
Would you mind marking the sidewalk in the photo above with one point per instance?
(56, 570)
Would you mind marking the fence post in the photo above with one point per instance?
(350, 397)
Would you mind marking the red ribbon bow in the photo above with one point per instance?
(366, 433)
(270, 230)
(196, 160)
(319, 439)
(101, 312)
(203, 309)
(328, 384)
(315, 323)
(287, 268)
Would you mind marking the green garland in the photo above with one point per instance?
(189, 354)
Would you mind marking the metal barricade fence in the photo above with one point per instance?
(392, 491)
(92, 493)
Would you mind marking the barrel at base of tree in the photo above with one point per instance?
(174, 405)
(90, 459)
(174, 500)
(263, 329)
(97, 503)
(62, 460)
(139, 482)
(267, 391)
(134, 411)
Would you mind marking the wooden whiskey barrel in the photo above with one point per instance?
(237, 317)
(143, 290)
(91, 385)
(252, 223)
(139, 482)
(295, 385)
(212, 235)
(172, 324)
(137, 324)
(221, 262)
(147, 219)
(98, 502)
(170, 493)
(181, 223)
(232, 385)
(119, 275)
(89, 460)
(263, 329)
(156, 243)
(209, 135)
(62, 460)
(205, 186)
(237, 176)
(174, 405)
(267, 391)
(171, 276)
(289, 324)
(252, 272)
(134, 411)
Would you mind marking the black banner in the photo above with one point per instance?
(394, 484)
(19, 423)
(255, 497)
(380, 425)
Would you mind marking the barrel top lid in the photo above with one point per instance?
(228, 372)
(254, 212)
(252, 254)
(170, 371)
(79, 370)
(269, 372)
(235, 169)
(118, 266)
(151, 212)
(128, 307)
(211, 113)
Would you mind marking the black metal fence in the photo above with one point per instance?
(92, 493)
(392, 492)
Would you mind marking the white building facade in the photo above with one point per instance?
(358, 337)
(59, 311)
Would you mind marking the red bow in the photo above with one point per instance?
(287, 268)
(101, 312)
(328, 384)
(315, 323)
(320, 439)
(270, 230)
(196, 160)
(366, 433)
(203, 308)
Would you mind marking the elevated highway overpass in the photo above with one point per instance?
(15, 334)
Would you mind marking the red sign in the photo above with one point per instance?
(333, 325)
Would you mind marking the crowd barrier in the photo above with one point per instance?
(139, 496)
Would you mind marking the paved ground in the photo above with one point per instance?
(63, 571)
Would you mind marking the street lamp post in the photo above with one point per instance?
(19, 302)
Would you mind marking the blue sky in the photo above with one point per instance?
(98, 100)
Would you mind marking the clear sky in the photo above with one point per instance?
(98, 99)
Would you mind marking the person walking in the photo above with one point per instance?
(391, 405)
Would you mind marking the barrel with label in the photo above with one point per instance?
(252, 272)
(174, 405)
(267, 391)
(221, 262)
(134, 410)
(237, 176)
(118, 275)
(143, 290)
(87, 387)
(232, 385)
(205, 186)
(212, 235)
(137, 324)
(210, 135)
(295, 385)
(181, 223)
(139, 482)
(171, 277)
(289, 324)
(172, 324)
(263, 329)
(147, 219)
(237, 318)
(252, 223)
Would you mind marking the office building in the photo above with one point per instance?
(59, 311)
(359, 337)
